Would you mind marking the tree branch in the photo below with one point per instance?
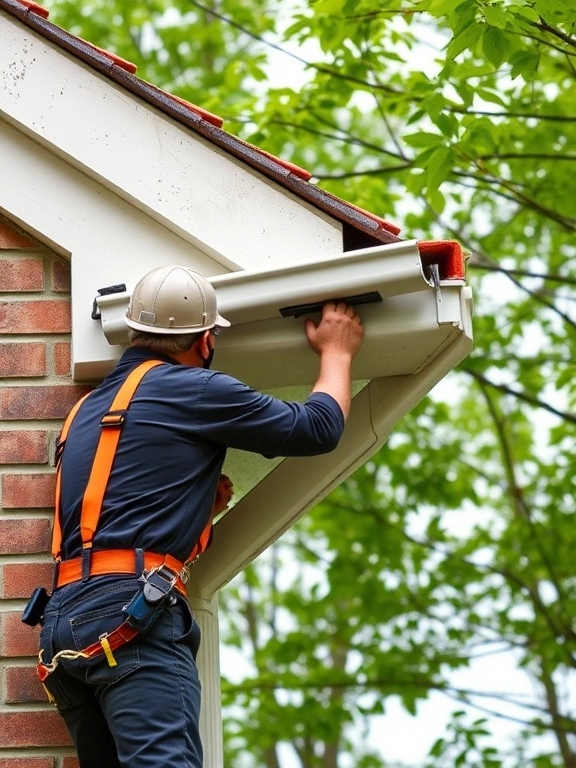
(342, 135)
(460, 694)
(520, 115)
(528, 156)
(564, 280)
(523, 512)
(523, 396)
(321, 68)
(558, 720)
(515, 194)
(356, 174)
(545, 27)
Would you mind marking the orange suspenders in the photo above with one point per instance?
(107, 561)
(118, 560)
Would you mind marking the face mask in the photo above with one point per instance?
(207, 361)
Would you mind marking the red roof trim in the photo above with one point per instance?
(35, 8)
(387, 225)
(447, 254)
(203, 113)
(118, 60)
(295, 169)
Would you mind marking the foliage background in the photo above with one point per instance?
(453, 548)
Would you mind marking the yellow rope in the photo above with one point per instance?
(65, 654)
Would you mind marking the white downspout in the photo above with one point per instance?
(206, 613)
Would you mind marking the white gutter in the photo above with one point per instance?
(251, 295)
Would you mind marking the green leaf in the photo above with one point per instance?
(545, 8)
(441, 7)
(437, 200)
(329, 7)
(466, 40)
(495, 45)
(422, 139)
(524, 63)
(439, 166)
(495, 16)
(527, 12)
(491, 96)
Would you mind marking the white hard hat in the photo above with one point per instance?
(174, 300)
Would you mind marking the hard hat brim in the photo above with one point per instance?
(220, 322)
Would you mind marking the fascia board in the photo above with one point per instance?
(296, 484)
(148, 159)
(195, 118)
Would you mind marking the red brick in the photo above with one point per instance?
(41, 316)
(20, 579)
(24, 536)
(27, 762)
(68, 762)
(23, 446)
(23, 359)
(22, 685)
(16, 638)
(22, 274)
(60, 277)
(28, 491)
(41, 402)
(43, 728)
(10, 238)
(62, 358)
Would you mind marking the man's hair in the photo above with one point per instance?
(162, 342)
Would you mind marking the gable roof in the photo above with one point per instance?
(360, 227)
(97, 200)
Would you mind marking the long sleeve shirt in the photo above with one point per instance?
(173, 444)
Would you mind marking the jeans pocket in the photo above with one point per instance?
(186, 629)
(88, 628)
(46, 641)
(51, 684)
(56, 692)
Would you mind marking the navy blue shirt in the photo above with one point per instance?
(172, 447)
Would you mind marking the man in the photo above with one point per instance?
(129, 517)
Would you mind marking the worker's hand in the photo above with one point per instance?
(224, 491)
(339, 331)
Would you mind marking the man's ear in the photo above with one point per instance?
(203, 345)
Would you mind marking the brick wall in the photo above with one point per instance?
(36, 392)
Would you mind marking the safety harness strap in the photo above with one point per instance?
(202, 544)
(57, 530)
(111, 427)
(104, 645)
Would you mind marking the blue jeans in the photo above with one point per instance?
(142, 713)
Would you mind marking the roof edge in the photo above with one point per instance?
(201, 122)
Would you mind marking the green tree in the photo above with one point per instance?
(455, 119)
